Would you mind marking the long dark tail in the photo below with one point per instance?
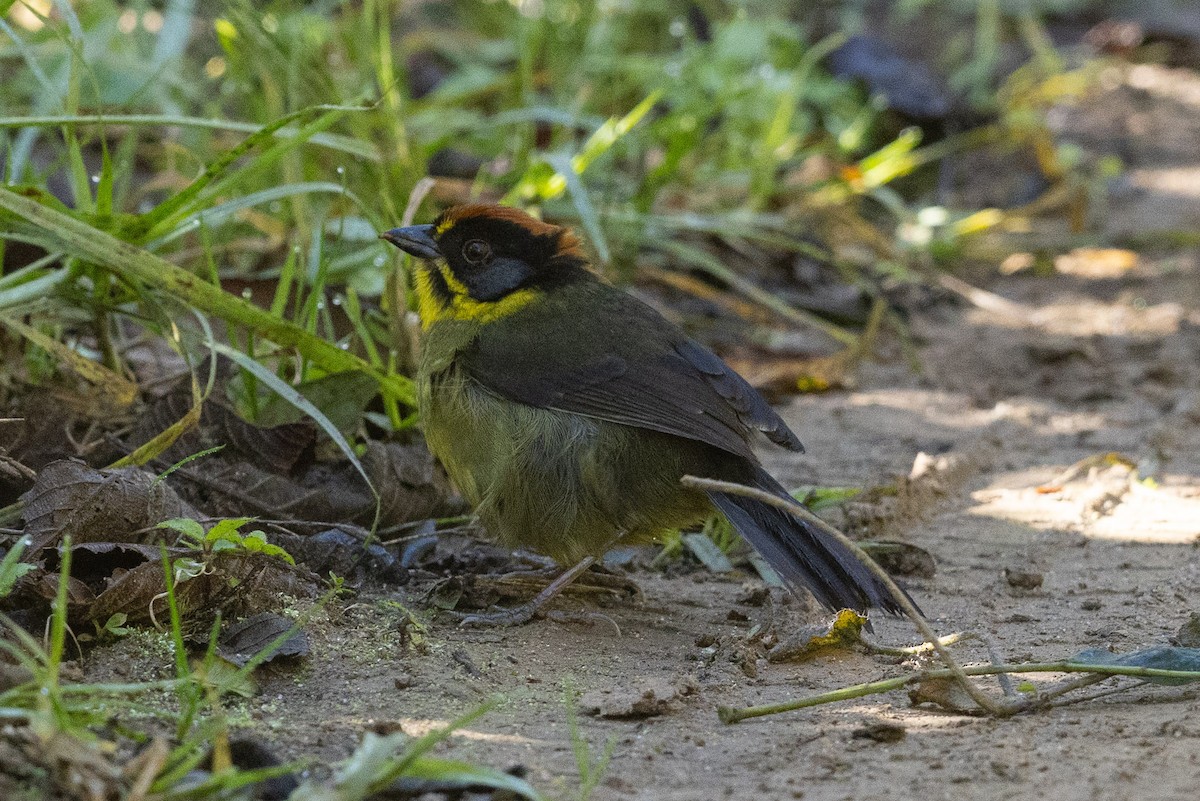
(801, 554)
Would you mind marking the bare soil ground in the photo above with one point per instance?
(1084, 363)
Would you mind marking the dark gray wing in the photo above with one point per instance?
(619, 360)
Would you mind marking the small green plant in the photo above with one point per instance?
(43, 702)
(224, 536)
(414, 631)
(114, 627)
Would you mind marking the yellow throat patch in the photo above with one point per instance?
(461, 306)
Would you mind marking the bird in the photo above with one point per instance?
(566, 410)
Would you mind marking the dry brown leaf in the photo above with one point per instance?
(72, 499)
(234, 582)
(411, 486)
(247, 638)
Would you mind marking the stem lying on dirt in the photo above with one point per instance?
(1010, 705)
(986, 702)
(1098, 673)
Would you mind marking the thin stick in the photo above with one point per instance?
(1098, 673)
(915, 650)
(1065, 687)
(791, 506)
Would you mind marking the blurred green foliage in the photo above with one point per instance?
(271, 141)
(512, 84)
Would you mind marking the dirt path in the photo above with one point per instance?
(1003, 414)
(1083, 366)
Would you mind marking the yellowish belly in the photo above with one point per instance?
(558, 483)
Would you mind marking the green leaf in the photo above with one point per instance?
(257, 541)
(115, 625)
(227, 529)
(185, 526)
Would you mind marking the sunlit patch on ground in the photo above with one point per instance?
(1122, 510)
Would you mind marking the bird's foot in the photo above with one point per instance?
(597, 579)
(521, 615)
(587, 618)
(517, 616)
(524, 613)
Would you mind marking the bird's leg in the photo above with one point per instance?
(526, 612)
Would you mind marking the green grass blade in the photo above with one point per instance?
(12, 568)
(179, 204)
(134, 264)
(344, 144)
(453, 771)
(289, 393)
(221, 212)
(22, 294)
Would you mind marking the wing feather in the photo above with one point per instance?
(621, 362)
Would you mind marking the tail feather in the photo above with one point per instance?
(801, 554)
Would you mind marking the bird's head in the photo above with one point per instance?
(486, 261)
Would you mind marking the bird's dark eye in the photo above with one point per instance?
(476, 251)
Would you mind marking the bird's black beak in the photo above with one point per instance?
(415, 239)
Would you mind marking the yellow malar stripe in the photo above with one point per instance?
(429, 305)
(462, 306)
